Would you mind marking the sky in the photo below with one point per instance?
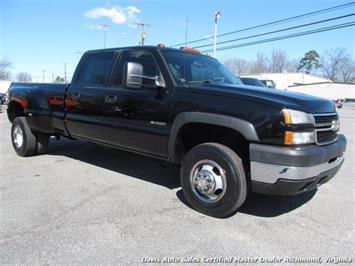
(39, 35)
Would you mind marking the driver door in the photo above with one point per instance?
(136, 107)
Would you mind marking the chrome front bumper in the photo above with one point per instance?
(270, 173)
(273, 167)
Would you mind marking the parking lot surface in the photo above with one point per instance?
(88, 205)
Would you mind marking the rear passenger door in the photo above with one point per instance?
(85, 96)
(137, 115)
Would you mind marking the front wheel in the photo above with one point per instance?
(213, 180)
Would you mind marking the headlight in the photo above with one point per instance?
(297, 117)
(293, 117)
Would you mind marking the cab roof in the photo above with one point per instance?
(145, 47)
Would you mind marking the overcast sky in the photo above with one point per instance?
(41, 35)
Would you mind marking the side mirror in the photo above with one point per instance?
(135, 78)
(160, 83)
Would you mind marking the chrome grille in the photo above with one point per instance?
(326, 136)
(325, 119)
(326, 128)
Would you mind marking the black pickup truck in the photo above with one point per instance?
(186, 108)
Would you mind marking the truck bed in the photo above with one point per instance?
(46, 100)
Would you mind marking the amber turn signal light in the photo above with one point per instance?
(288, 138)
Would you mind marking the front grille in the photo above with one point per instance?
(325, 119)
(326, 136)
(326, 127)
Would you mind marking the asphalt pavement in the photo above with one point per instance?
(87, 205)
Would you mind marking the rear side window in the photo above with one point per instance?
(95, 68)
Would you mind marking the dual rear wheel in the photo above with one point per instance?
(26, 142)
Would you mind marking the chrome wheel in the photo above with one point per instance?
(17, 136)
(208, 181)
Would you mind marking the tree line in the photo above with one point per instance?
(334, 64)
(6, 74)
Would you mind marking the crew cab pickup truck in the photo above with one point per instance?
(187, 108)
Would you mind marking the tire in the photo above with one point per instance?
(42, 143)
(23, 140)
(213, 161)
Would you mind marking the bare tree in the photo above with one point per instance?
(278, 61)
(292, 65)
(261, 64)
(347, 71)
(337, 65)
(23, 77)
(238, 66)
(5, 65)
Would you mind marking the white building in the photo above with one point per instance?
(310, 84)
(285, 80)
(4, 85)
(330, 90)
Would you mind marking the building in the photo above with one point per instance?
(4, 85)
(309, 84)
(330, 90)
(285, 80)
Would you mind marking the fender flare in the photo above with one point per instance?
(245, 128)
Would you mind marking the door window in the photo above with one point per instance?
(146, 60)
(96, 67)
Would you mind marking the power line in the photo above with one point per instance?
(329, 9)
(281, 30)
(334, 27)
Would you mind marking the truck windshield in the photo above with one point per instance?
(191, 69)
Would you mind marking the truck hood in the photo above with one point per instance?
(274, 97)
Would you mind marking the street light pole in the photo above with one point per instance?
(217, 15)
(104, 27)
(186, 29)
(43, 71)
(65, 72)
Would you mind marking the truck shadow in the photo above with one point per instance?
(266, 205)
(271, 206)
(167, 175)
(136, 166)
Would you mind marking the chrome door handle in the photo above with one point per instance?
(75, 96)
(110, 98)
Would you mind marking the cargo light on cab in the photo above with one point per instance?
(294, 117)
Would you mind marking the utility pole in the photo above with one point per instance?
(65, 72)
(52, 77)
(104, 27)
(43, 71)
(141, 26)
(186, 28)
(217, 15)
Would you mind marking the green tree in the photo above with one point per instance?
(309, 62)
(59, 80)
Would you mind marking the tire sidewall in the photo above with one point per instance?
(235, 179)
(24, 149)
